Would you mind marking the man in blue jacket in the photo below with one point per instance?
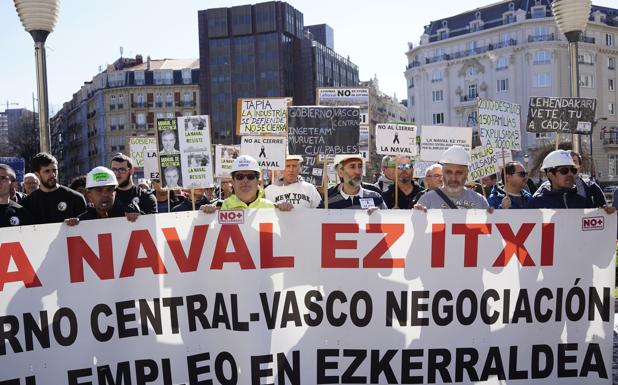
(514, 195)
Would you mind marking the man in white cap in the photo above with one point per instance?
(292, 188)
(101, 187)
(350, 194)
(247, 193)
(453, 194)
(562, 173)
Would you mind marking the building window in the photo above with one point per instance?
(508, 18)
(505, 39)
(538, 12)
(472, 45)
(611, 109)
(472, 119)
(112, 125)
(542, 57)
(160, 115)
(120, 102)
(186, 76)
(140, 78)
(613, 165)
(187, 99)
(585, 58)
(115, 79)
(502, 85)
(611, 63)
(472, 91)
(411, 83)
(610, 85)
(158, 100)
(542, 79)
(141, 121)
(436, 76)
(140, 101)
(437, 95)
(502, 63)
(169, 100)
(586, 81)
(411, 101)
(438, 118)
(472, 71)
(443, 34)
(112, 102)
(475, 26)
(163, 77)
(609, 39)
(540, 33)
(121, 122)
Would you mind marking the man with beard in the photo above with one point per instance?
(562, 173)
(453, 194)
(101, 186)
(349, 194)
(128, 193)
(11, 213)
(292, 188)
(52, 202)
(407, 187)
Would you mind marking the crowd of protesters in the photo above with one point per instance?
(107, 192)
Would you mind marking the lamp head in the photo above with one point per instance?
(38, 16)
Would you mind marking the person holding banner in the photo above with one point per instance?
(101, 189)
(11, 213)
(128, 193)
(514, 195)
(408, 188)
(247, 194)
(350, 193)
(562, 173)
(453, 194)
(292, 188)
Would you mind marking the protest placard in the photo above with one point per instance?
(196, 159)
(450, 296)
(437, 139)
(499, 123)
(420, 168)
(269, 151)
(262, 116)
(396, 139)
(483, 162)
(224, 158)
(562, 115)
(143, 151)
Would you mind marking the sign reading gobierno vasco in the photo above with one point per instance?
(452, 296)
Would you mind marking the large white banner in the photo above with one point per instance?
(311, 297)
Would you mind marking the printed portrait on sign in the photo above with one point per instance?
(169, 141)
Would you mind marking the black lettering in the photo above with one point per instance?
(348, 375)
(493, 318)
(466, 364)
(270, 313)
(146, 371)
(123, 374)
(447, 309)
(123, 318)
(241, 326)
(434, 365)
(147, 316)
(290, 310)
(101, 336)
(493, 365)
(539, 351)
(69, 315)
(461, 317)
(221, 359)
(602, 306)
(563, 360)
(515, 374)
(407, 365)
(381, 365)
(31, 327)
(314, 308)
(335, 321)
(195, 371)
(196, 311)
(578, 313)
(538, 313)
(593, 351)
(522, 307)
(284, 369)
(258, 373)
(173, 303)
(397, 308)
(356, 298)
(73, 376)
(323, 366)
(417, 307)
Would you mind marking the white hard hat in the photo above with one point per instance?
(339, 159)
(245, 163)
(557, 158)
(299, 158)
(455, 155)
(100, 177)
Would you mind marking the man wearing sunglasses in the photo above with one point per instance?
(247, 192)
(407, 187)
(514, 195)
(562, 174)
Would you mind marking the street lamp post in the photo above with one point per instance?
(572, 17)
(594, 123)
(39, 18)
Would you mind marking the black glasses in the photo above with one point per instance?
(565, 170)
(404, 166)
(522, 174)
(240, 177)
(121, 170)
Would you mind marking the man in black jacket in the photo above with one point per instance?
(11, 213)
(127, 192)
(408, 189)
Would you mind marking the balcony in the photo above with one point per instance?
(138, 105)
(414, 64)
(535, 38)
(188, 103)
(586, 39)
(471, 52)
(610, 138)
(467, 99)
(159, 104)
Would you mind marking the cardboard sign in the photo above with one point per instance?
(396, 139)
(483, 162)
(143, 151)
(325, 131)
(224, 158)
(17, 164)
(499, 123)
(437, 139)
(262, 116)
(269, 151)
(562, 115)
(420, 168)
(196, 159)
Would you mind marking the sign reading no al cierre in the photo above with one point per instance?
(562, 115)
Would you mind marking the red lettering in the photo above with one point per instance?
(547, 244)
(240, 254)
(471, 231)
(24, 273)
(267, 258)
(330, 245)
(79, 251)
(438, 241)
(392, 233)
(514, 244)
(132, 262)
(190, 263)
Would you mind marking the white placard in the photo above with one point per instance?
(420, 168)
(499, 123)
(396, 139)
(263, 116)
(437, 139)
(143, 151)
(269, 151)
(224, 158)
(196, 157)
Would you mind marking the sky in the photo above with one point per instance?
(89, 34)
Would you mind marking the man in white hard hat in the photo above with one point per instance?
(562, 173)
(453, 194)
(247, 193)
(101, 186)
(292, 188)
(350, 194)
